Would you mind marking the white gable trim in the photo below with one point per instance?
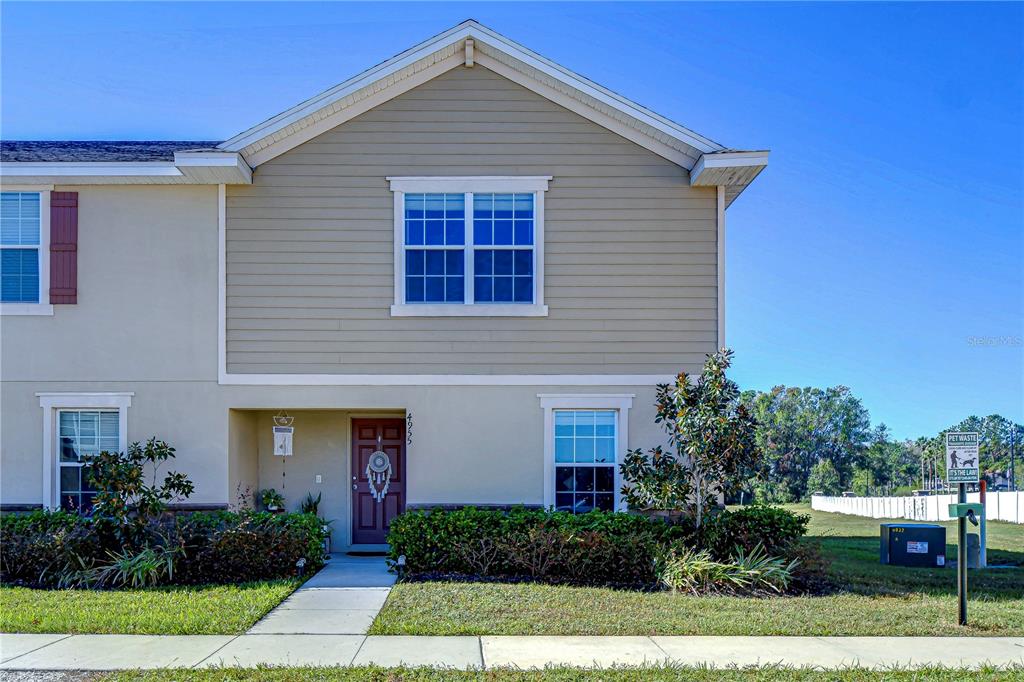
(443, 52)
(353, 105)
(381, 72)
(577, 107)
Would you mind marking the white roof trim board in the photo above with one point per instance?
(188, 168)
(727, 168)
(710, 163)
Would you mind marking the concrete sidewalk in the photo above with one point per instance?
(113, 652)
(343, 598)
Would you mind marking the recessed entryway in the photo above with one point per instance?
(331, 450)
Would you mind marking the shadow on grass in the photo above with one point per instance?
(211, 587)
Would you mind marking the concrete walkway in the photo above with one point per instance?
(112, 652)
(342, 599)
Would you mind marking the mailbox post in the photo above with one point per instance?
(962, 467)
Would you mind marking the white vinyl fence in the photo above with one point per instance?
(998, 506)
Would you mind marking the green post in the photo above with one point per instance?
(961, 551)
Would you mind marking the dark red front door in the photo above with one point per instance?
(371, 514)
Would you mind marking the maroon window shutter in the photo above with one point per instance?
(63, 247)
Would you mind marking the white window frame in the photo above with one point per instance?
(619, 402)
(536, 185)
(42, 306)
(52, 403)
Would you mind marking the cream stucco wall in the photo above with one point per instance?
(470, 445)
(480, 445)
(145, 321)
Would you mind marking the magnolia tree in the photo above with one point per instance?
(713, 438)
(122, 494)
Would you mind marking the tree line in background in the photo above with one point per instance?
(821, 440)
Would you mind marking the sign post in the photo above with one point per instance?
(962, 468)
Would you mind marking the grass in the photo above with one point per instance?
(852, 544)
(203, 610)
(875, 599)
(643, 674)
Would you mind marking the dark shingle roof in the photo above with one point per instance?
(41, 151)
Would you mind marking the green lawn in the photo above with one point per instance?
(650, 674)
(874, 600)
(852, 544)
(211, 610)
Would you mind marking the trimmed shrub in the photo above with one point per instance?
(37, 549)
(774, 528)
(231, 547)
(597, 548)
(57, 549)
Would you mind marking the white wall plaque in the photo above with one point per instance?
(283, 440)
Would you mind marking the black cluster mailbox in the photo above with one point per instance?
(913, 544)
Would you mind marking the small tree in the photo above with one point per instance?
(824, 478)
(122, 494)
(713, 435)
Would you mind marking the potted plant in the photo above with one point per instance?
(272, 500)
(311, 505)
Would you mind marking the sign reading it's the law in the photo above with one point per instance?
(962, 457)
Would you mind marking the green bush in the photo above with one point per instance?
(773, 528)
(57, 549)
(37, 549)
(38, 521)
(242, 547)
(597, 548)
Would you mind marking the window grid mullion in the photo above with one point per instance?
(573, 465)
(470, 258)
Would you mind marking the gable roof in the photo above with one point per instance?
(469, 43)
(488, 48)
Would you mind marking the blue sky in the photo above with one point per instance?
(882, 249)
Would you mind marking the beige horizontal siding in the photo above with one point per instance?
(630, 248)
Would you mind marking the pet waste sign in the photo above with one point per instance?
(962, 457)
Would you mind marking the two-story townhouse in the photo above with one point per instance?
(458, 276)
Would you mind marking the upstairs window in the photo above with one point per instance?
(435, 248)
(503, 254)
(20, 247)
(469, 246)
